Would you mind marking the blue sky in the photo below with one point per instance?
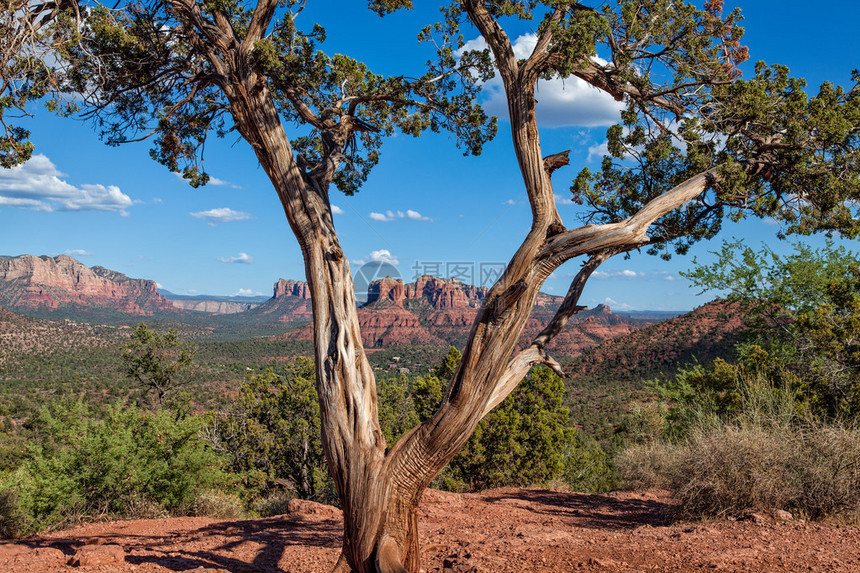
(424, 208)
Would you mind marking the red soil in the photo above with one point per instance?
(508, 530)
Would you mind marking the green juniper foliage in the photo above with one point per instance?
(153, 80)
(804, 313)
(273, 435)
(158, 361)
(81, 463)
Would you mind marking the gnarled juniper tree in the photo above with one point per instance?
(696, 144)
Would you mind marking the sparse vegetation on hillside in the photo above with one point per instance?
(803, 310)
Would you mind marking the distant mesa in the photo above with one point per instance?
(292, 288)
(30, 283)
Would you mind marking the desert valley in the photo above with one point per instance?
(62, 325)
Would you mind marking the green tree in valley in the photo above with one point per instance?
(276, 432)
(524, 441)
(449, 365)
(158, 361)
(696, 144)
(804, 313)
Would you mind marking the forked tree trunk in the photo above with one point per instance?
(376, 510)
(380, 489)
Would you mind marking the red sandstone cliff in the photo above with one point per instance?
(50, 283)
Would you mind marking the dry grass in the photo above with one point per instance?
(219, 505)
(766, 457)
(812, 470)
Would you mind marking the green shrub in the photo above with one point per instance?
(129, 463)
(12, 519)
(586, 466)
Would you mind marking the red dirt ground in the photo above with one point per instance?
(506, 530)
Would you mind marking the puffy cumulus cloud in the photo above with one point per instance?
(38, 185)
(336, 210)
(382, 256)
(392, 215)
(560, 103)
(243, 258)
(221, 215)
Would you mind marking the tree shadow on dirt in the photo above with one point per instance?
(269, 537)
(273, 535)
(592, 511)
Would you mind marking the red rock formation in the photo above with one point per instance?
(441, 312)
(46, 283)
(387, 289)
(442, 293)
(292, 288)
(382, 325)
(290, 302)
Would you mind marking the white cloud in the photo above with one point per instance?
(392, 215)
(247, 292)
(243, 258)
(616, 274)
(37, 185)
(77, 253)
(414, 215)
(191, 291)
(336, 210)
(560, 103)
(382, 256)
(221, 215)
(509, 202)
(222, 183)
(562, 200)
(597, 152)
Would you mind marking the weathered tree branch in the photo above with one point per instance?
(536, 353)
(260, 21)
(556, 161)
